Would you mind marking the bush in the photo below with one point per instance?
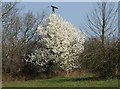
(105, 63)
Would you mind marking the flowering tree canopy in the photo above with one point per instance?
(62, 43)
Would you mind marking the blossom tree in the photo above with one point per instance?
(62, 43)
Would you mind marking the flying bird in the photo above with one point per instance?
(53, 8)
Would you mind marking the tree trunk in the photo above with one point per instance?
(116, 69)
(67, 73)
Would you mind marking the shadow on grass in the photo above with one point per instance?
(82, 79)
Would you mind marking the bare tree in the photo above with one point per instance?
(102, 26)
(7, 8)
(19, 35)
(8, 12)
(102, 22)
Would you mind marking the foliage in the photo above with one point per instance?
(62, 44)
(105, 65)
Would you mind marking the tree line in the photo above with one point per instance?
(20, 39)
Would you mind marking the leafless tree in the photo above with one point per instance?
(19, 35)
(102, 22)
(102, 26)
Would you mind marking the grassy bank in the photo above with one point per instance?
(63, 82)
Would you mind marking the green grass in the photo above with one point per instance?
(63, 82)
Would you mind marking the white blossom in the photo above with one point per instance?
(61, 38)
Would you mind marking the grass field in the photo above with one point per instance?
(63, 82)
